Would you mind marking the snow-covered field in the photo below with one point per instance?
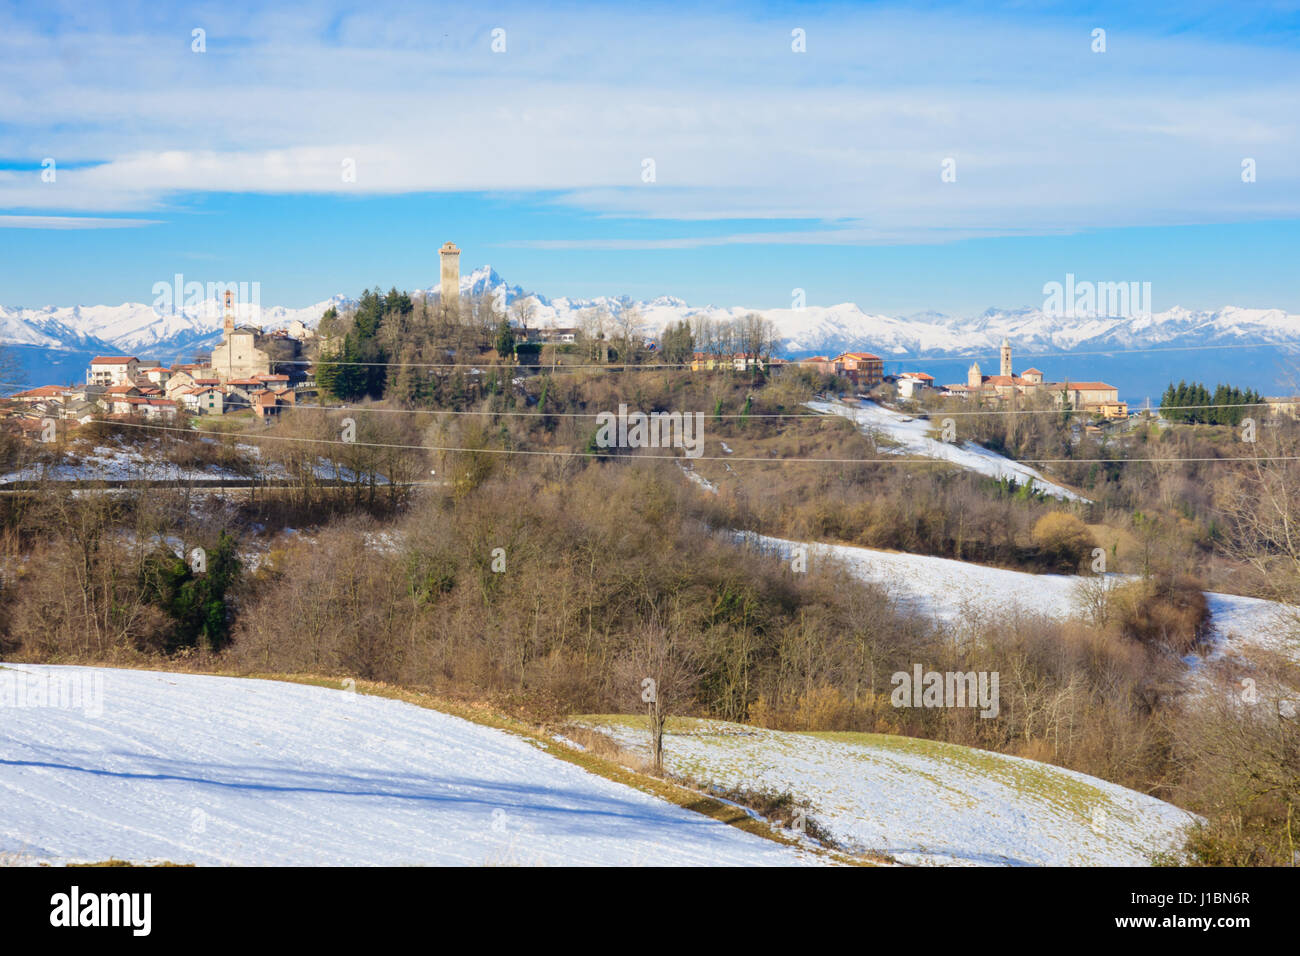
(912, 437)
(921, 801)
(219, 770)
(951, 592)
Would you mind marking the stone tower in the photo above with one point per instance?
(450, 288)
(1006, 359)
(973, 378)
(228, 325)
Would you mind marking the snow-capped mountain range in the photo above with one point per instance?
(137, 328)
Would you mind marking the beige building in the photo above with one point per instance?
(449, 289)
(177, 383)
(1282, 405)
(204, 400)
(239, 355)
(299, 330)
(155, 374)
(1092, 396)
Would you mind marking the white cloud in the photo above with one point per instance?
(72, 222)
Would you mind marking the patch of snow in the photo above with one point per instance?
(699, 479)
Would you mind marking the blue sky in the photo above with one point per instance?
(773, 169)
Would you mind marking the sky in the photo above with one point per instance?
(907, 157)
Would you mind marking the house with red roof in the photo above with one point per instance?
(112, 369)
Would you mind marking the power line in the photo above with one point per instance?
(726, 362)
(891, 459)
(822, 416)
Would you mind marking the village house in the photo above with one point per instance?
(42, 394)
(863, 369)
(1096, 397)
(112, 369)
(45, 409)
(549, 335)
(117, 400)
(155, 374)
(267, 403)
(299, 331)
(819, 364)
(204, 400)
(739, 362)
(178, 383)
(1282, 405)
(909, 383)
(162, 408)
(80, 411)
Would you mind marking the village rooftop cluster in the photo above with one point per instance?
(242, 373)
(866, 371)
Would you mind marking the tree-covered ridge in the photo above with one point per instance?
(1194, 404)
(424, 354)
(356, 367)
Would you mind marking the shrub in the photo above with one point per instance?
(1064, 539)
(1163, 612)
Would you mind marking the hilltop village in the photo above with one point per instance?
(866, 372)
(263, 373)
(250, 370)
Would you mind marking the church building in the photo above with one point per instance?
(1084, 396)
(240, 354)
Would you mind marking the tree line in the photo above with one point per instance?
(1194, 404)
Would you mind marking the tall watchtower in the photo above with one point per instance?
(228, 325)
(450, 287)
(1006, 358)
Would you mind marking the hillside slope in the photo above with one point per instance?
(912, 436)
(949, 591)
(219, 770)
(921, 801)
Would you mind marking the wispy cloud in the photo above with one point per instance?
(72, 222)
(810, 237)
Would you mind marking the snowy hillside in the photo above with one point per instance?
(921, 801)
(904, 435)
(949, 591)
(221, 770)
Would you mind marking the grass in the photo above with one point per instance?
(113, 861)
(1042, 781)
(1050, 785)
